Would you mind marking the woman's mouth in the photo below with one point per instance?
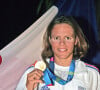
(62, 49)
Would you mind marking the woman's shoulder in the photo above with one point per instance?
(30, 68)
(91, 67)
(83, 66)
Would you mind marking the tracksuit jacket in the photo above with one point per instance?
(86, 77)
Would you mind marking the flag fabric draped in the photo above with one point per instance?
(84, 13)
(18, 55)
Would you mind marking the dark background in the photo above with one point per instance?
(18, 15)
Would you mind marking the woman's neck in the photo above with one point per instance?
(63, 62)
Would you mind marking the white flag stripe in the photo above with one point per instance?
(30, 33)
(22, 51)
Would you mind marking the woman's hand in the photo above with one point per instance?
(33, 78)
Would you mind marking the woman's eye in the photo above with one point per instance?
(56, 38)
(68, 38)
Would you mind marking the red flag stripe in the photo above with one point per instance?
(0, 59)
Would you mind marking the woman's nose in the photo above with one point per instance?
(62, 42)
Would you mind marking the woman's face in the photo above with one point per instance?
(62, 41)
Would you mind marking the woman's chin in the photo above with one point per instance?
(64, 56)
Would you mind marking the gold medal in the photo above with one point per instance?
(40, 65)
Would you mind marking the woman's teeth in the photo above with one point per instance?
(62, 50)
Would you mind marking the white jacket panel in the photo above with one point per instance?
(85, 78)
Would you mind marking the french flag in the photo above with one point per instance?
(19, 54)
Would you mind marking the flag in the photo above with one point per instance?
(19, 54)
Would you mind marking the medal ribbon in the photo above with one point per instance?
(49, 76)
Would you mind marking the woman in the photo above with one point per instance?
(64, 46)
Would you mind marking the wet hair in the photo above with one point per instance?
(80, 49)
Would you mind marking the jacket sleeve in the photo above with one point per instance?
(98, 87)
(22, 83)
(94, 77)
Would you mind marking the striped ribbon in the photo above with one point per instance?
(49, 76)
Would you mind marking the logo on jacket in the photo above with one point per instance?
(81, 88)
(45, 88)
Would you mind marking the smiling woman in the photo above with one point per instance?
(67, 28)
(62, 41)
(64, 46)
